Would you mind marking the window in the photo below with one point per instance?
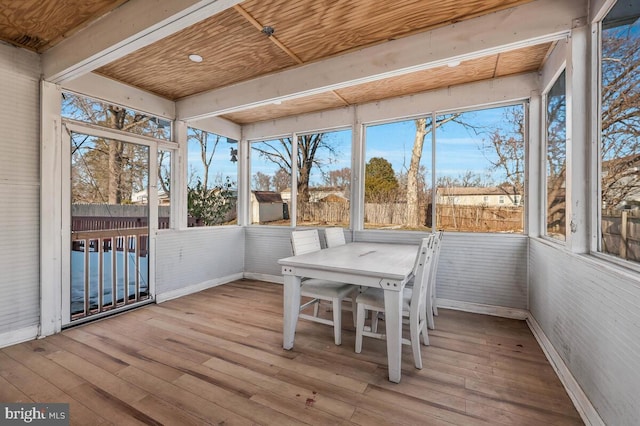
(397, 180)
(619, 133)
(480, 162)
(556, 156)
(112, 116)
(271, 164)
(479, 172)
(212, 179)
(324, 179)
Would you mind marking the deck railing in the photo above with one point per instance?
(102, 283)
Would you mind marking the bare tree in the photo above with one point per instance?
(207, 151)
(261, 182)
(424, 126)
(620, 137)
(507, 145)
(111, 179)
(279, 153)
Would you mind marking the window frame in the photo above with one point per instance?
(543, 157)
(186, 176)
(609, 260)
(524, 102)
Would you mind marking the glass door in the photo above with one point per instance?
(109, 259)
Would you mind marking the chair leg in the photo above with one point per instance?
(414, 328)
(430, 320)
(374, 321)
(429, 307)
(423, 324)
(433, 302)
(359, 327)
(354, 307)
(337, 321)
(425, 334)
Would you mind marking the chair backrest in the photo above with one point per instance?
(305, 241)
(422, 275)
(334, 237)
(436, 256)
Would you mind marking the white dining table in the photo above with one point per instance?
(379, 265)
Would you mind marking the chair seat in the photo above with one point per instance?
(374, 298)
(325, 289)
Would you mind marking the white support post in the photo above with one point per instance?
(293, 207)
(534, 195)
(244, 179)
(578, 140)
(51, 199)
(357, 173)
(179, 177)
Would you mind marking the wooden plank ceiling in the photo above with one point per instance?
(235, 48)
(40, 24)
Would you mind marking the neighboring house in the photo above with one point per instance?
(484, 196)
(141, 197)
(266, 206)
(318, 193)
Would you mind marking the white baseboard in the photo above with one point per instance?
(588, 413)
(278, 279)
(478, 308)
(18, 336)
(173, 294)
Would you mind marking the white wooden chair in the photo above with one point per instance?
(413, 305)
(335, 292)
(432, 307)
(334, 237)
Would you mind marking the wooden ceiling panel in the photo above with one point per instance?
(40, 24)
(522, 60)
(473, 70)
(316, 29)
(233, 50)
(319, 102)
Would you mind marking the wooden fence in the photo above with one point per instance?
(480, 218)
(621, 233)
(458, 218)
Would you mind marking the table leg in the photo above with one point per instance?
(393, 323)
(291, 309)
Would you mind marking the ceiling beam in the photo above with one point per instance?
(135, 24)
(115, 92)
(480, 93)
(532, 23)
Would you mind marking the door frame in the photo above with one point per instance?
(67, 128)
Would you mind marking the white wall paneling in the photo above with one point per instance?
(590, 312)
(484, 269)
(19, 195)
(264, 246)
(193, 257)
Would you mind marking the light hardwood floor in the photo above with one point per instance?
(215, 357)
